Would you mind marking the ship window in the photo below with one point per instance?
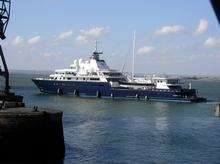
(114, 79)
(173, 81)
(84, 78)
(68, 78)
(112, 73)
(94, 79)
(77, 78)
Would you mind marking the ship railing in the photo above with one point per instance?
(40, 78)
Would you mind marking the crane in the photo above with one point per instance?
(7, 98)
(5, 6)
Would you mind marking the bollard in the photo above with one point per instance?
(217, 110)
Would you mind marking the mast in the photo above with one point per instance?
(96, 53)
(133, 61)
(96, 46)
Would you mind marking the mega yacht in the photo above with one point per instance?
(94, 78)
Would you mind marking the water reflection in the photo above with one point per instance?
(161, 124)
(161, 105)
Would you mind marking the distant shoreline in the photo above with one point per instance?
(31, 72)
(184, 77)
(203, 78)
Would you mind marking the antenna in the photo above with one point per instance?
(96, 45)
(96, 53)
(133, 61)
(123, 66)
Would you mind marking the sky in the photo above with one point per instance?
(172, 37)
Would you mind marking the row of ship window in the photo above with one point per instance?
(94, 73)
(169, 82)
(69, 78)
(73, 73)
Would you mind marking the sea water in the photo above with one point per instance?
(122, 131)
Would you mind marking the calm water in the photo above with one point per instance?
(107, 131)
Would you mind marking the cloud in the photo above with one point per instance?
(47, 55)
(170, 30)
(34, 40)
(56, 57)
(145, 50)
(204, 56)
(81, 39)
(92, 34)
(51, 55)
(64, 35)
(17, 40)
(212, 42)
(202, 27)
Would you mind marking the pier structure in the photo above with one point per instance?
(34, 134)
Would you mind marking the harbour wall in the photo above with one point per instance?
(27, 133)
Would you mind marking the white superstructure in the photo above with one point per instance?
(161, 82)
(96, 70)
(93, 69)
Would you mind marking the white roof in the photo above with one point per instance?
(64, 70)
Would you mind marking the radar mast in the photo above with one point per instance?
(96, 53)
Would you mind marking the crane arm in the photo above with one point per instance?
(5, 8)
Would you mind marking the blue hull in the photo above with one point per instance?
(104, 90)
